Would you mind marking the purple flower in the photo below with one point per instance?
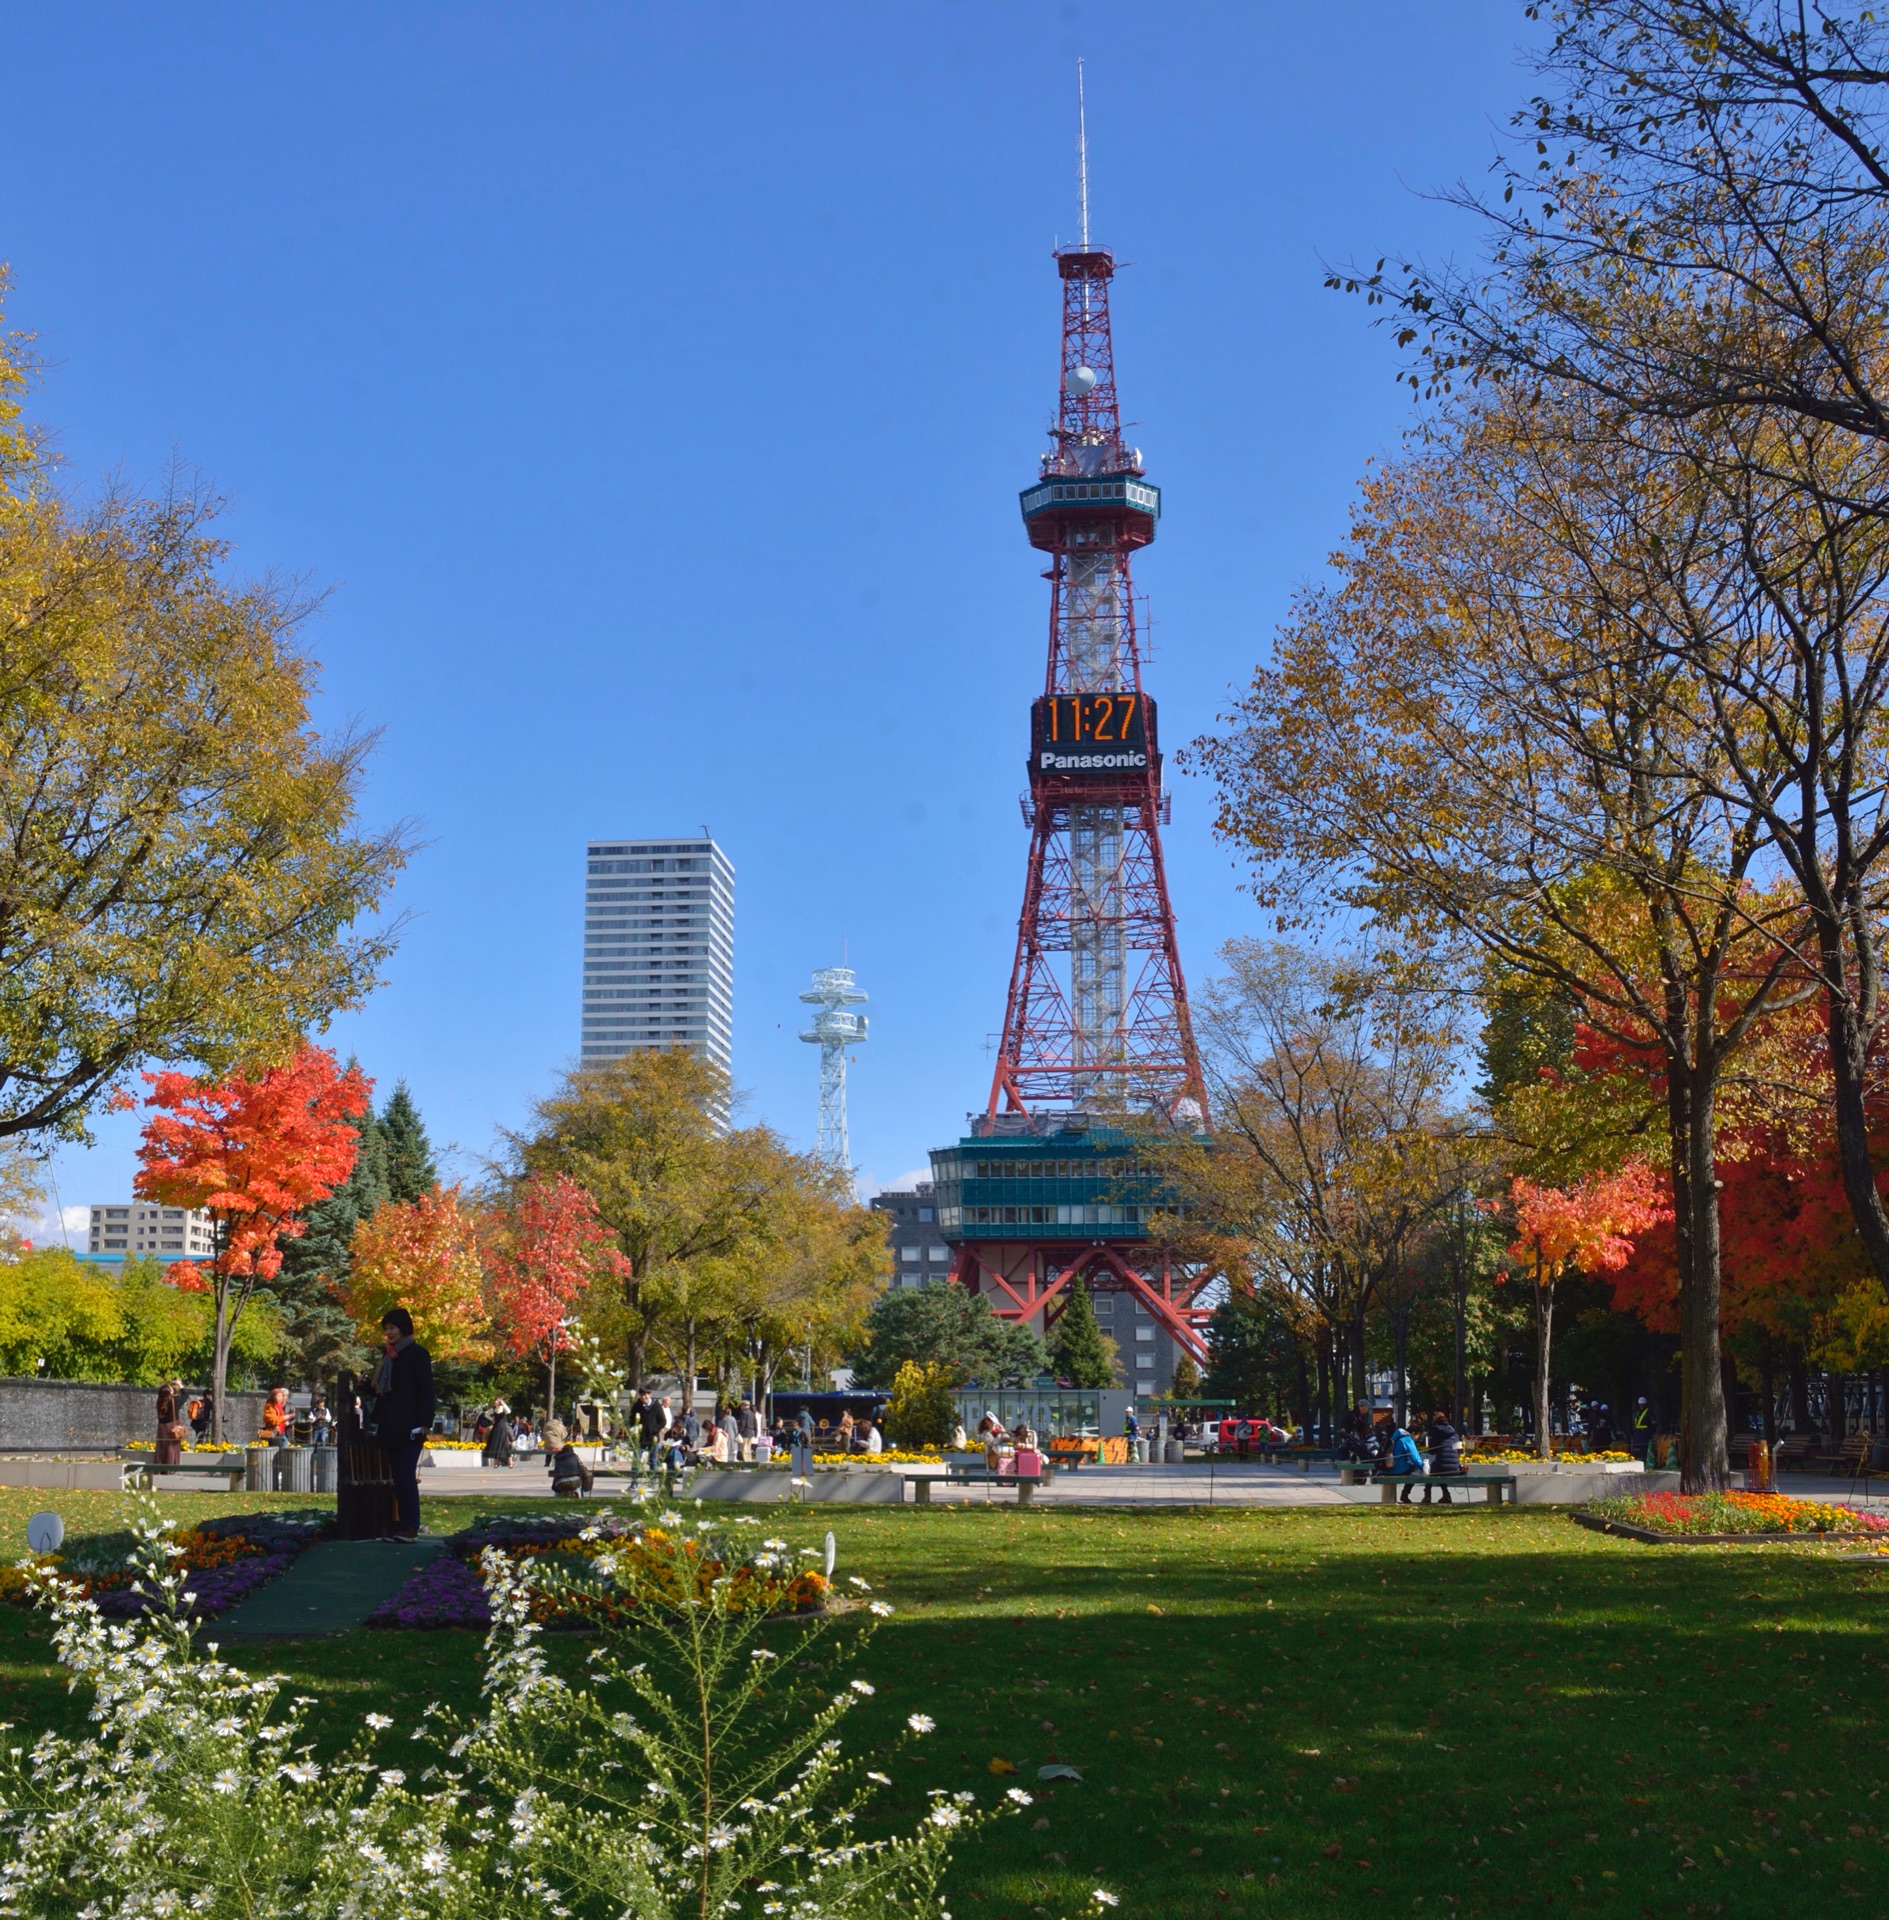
(445, 1592)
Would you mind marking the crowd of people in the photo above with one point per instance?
(655, 1433)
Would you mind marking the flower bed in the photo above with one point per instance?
(1718, 1515)
(1517, 1456)
(608, 1566)
(227, 1560)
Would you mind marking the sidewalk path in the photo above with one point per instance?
(332, 1588)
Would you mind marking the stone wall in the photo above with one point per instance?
(57, 1416)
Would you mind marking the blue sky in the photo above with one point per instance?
(651, 388)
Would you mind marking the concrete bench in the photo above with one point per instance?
(1495, 1483)
(1025, 1484)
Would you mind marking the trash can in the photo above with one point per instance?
(321, 1469)
(258, 1469)
(293, 1473)
(1141, 1452)
(1176, 1453)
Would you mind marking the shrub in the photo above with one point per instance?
(920, 1411)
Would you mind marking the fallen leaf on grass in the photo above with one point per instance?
(1059, 1773)
(1001, 1765)
(1333, 1851)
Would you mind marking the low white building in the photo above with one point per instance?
(140, 1228)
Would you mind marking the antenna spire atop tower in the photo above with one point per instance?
(1082, 156)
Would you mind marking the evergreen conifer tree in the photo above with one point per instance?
(322, 1337)
(1085, 1356)
(411, 1174)
(1186, 1382)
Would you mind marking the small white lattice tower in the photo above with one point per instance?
(834, 1029)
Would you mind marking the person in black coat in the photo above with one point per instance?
(1446, 1456)
(403, 1412)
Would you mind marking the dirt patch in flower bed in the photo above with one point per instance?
(449, 1592)
(1729, 1519)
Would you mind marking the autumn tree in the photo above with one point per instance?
(1328, 1074)
(1477, 736)
(424, 1255)
(182, 864)
(1589, 1227)
(1693, 234)
(644, 1136)
(255, 1150)
(544, 1246)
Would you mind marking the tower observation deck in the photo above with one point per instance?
(1052, 1185)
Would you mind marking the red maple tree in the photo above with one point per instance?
(254, 1151)
(1590, 1225)
(543, 1250)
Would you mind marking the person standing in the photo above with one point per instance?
(170, 1427)
(747, 1428)
(403, 1413)
(276, 1418)
(652, 1422)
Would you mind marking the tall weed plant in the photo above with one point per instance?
(693, 1772)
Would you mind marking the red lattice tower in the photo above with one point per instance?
(1050, 1190)
(1097, 1015)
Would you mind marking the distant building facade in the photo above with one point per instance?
(143, 1230)
(919, 1253)
(659, 949)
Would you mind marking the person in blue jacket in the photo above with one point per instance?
(1405, 1459)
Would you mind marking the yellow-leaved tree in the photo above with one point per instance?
(181, 864)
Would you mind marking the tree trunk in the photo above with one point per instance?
(220, 1358)
(688, 1370)
(1770, 1395)
(1800, 1395)
(1849, 1070)
(1544, 1333)
(1691, 1117)
(1460, 1411)
(1305, 1385)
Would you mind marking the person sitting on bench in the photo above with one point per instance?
(1358, 1436)
(1405, 1459)
(1446, 1458)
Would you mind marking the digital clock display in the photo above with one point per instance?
(1091, 733)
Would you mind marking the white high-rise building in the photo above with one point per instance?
(659, 949)
(139, 1228)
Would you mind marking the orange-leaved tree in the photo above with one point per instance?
(1591, 1226)
(423, 1255)
(255, 1151)
(543, 1249)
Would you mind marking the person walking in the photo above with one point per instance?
(170, 1426)
(652, 1422)
(499, 1438)
(1446, 1458)
(403, 1413)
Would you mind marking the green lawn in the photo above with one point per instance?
(1280, 1714)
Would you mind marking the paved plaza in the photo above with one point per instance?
(1199, 1483)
